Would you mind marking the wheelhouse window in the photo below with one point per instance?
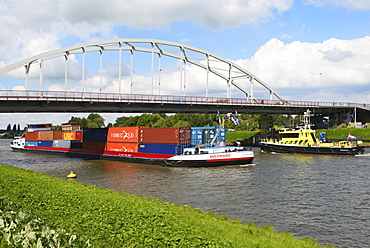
(290, 135)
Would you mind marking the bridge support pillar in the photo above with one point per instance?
(265, 123)
(289, 121)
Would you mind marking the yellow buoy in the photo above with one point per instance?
(72, 175)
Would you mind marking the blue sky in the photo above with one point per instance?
(285, 43)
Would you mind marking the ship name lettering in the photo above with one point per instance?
(220, 156)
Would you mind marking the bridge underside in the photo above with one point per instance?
(57, 106)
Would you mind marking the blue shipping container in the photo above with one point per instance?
(162, 148)
(205, 135)
(45, 143)
(31, 143)
(221, 134)
(95, 134)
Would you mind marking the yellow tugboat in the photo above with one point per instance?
(304, 141)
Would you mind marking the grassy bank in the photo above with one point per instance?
(41, 209)
(342, 133)
(240, 135)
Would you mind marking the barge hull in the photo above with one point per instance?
(279, 148)
(145, 158)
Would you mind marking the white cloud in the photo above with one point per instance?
(31, 27)
(144, 14)
(350, 4)
(297, 66)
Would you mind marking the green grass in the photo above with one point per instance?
(76, 215)
(342, 133)
(240, 135)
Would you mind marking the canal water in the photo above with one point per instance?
(323, 197)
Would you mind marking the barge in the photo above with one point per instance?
(177, 147)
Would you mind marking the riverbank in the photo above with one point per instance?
(84, 214)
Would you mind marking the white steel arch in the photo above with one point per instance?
(223, 68)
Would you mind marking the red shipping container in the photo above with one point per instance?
(122, 147)
(124, 134)
(72, 135)
(32, 136)
(170, 135)
(94, 146)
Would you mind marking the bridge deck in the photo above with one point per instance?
(12, 101)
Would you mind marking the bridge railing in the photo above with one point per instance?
(23, 95)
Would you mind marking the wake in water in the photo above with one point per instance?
(363, 155)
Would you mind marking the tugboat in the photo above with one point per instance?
(303, 140)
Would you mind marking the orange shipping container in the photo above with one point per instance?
(72, 135)
(32, 136)
(123, 134)
(49, 135)
(122, 147)
(57, 134)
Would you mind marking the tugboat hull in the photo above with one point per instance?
(335, 150)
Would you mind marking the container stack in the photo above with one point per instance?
(123, 139)
(95, 139)
(170, 140)
(148, 140)
(70, 139)
(42, 138)
(205, 135)
(31, 139)
(46, 138)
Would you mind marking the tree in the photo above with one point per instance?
(148, 120)
(182, 123)
(8, 128)
(92, 121)
(95, 120)
(163, 122)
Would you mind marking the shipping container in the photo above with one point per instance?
(171, 135)
(72, 135)
(32, 136)
(62, 143)
(205, 135)
(31, 143)
(162, 148)
(95, 134)
(124, 134)
(94, 146)
(122, 147)
(49, 135)
(76, 144)
(45, 143)
(221, 134)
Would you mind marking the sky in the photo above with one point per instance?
(311, 50)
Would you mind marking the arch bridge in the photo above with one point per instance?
(178, 78)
